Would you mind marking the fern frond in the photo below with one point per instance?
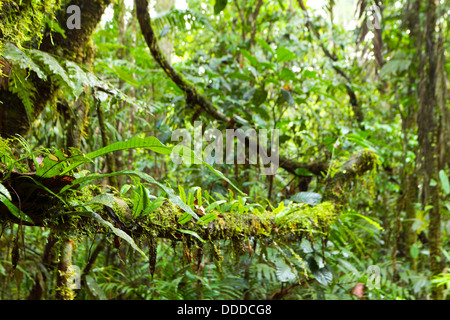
(23, 89)
(20, 58)
(178, 18)
(54, 67)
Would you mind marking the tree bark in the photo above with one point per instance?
(428, 141)
(14, 117)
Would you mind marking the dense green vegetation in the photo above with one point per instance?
(94, 206)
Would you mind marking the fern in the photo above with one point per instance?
(24, 90)
(80, 78)
(178, 18)
(55, 68)
(22, 59)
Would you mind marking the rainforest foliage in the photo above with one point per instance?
(94, 205)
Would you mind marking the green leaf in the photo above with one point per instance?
(444, 182)
(360, 141)
(220, 6)
(253, 61)
(20, 58)
(53, 164)
(259, 96)
(323, 276)
(94, 288)
(284, 55)
(306, 246)
(372, 222)
(303, 172)
(182, 193)
(54, 67)
(414, 250)
(199, 197)
(287, 96)
(104, 199)
(116, 231)
(172, 196)
(141, 200)
(264, 44)
(150, 143)
(287, 74)
(185, 218)
(400, 62)
(284, 271)
(311, 198)
(240, 76)
(155, 204)
(5, 197)
(126, 76)
(208, 218)
(213, 205)
(192, 233)
(5, 192)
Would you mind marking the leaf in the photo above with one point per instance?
(94, 288)
(116, 231)
(185, 218)
(360, 141)
(287, 74)
(284, 272)
(53, 157)
(126, 76)
(259, 96)
(323, 276)
(309, 74)
(54, 164)
(155, 204)
(213, 205)
(5, 192)
(311, 198)
(208, 218)
(287, 96)
(306, 246)
(372, 222)
(400, 62)
(172, 196)
(148, 143)
(303, 172)
(80, 77)
(444, 182)
(284, 55)
(414, 250)
(192, 233)
(151, 143)
(18, 56)
(54, 67)
(264, 44)
(5, 197)
(219, 6)
(165, 31)
(240, 76)
(104, 199)
(253, 61)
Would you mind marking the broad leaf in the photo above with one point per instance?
(311, 198)
(444, 182)
(220, 6)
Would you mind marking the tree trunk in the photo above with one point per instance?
(14, 117)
